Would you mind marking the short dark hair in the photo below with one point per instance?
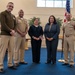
(10, 3)
(54, 19)
(21, 10)
(35, 19)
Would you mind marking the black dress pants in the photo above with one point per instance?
(36, 45)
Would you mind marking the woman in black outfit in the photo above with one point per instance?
(51, 33)
(36, 33)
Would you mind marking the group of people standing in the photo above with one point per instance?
(51, 32)
(14, 30)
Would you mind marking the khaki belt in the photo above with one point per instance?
(67, 35)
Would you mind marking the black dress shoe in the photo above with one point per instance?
(71, 66)
(1, 70)
(65, 64)
(48, 62)
(16, 64)
(37, 62)
(12, 67)
(53, 63)
(23, 63)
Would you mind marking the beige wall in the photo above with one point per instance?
(31, 10)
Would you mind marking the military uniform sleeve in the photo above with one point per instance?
(26, 26)
(16, 24)
(3, 23)
(73, 23)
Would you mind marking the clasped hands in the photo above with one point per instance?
(12, 32)
(23, 34)
(49, 39)
(37, 38)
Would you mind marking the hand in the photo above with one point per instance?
(12, 32)
(23, 34)
(36, 38)
(49, 39)
(41, 37)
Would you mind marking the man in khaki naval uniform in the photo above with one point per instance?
(69, 31)
(22, 29)
(8, 22)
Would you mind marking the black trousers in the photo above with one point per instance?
(36, 46)
(51, 50)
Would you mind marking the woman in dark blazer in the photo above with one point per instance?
(51, 33)
(36, 33)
